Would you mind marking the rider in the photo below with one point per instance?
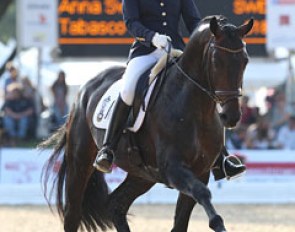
(153, 24)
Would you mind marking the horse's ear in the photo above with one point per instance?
(245, 28)
(214, 27)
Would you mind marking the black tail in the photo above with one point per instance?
(94, 203)
(58, 140)
(94, 206)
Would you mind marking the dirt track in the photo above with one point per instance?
(159, 218)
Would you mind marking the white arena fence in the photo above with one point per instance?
(270, 178)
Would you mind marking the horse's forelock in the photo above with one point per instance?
(203, 28)
(220, 18)
(229, 31)
(231, 37)
(202, 35)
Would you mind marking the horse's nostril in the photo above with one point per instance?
(229, 121)
(222, 116)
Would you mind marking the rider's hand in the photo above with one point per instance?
(160, 41)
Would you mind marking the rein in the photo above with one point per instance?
(215, 96)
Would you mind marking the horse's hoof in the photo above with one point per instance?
(220, 230)
(216, 224)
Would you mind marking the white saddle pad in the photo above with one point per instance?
(104, 109)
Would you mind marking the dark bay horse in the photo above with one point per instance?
(177, 145)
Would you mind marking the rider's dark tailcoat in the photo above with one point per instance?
(144, 18)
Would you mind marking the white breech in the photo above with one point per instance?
(134, 69)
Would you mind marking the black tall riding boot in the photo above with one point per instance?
(227, 166)
(105, 155)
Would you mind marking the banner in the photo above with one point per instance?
(22, 166)
(270, 178)
(37, 23)
(280, 24)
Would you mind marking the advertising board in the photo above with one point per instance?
(37, 23)
(270, 178)
(280, 24)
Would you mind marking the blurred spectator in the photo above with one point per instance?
(11, 78)
(30, 92)
(236, 139)
(17, 112)
(269, 99)
(249, 114)
(279, 115)
(260, 135)
(286, 135)
(60, 108)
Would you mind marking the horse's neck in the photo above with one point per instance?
(193, 59)
(191, 62)
(181, 89)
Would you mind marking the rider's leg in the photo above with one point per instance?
(135, 68)
(227, 166)
(104, 158)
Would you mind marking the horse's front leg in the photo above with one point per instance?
(183, 179)
(184, 207)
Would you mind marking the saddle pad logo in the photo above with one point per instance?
(105, 107)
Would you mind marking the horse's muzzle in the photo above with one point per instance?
(230, 114)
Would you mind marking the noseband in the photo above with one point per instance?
(219, 96)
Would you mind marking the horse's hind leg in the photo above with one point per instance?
(184, 207)
(122, 198)
(74, 195)
(79, 153)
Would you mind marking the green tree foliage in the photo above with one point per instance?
(4, 5)
(7, 20)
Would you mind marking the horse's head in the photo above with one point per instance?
(225, 59)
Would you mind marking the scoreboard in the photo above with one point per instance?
(93, 28)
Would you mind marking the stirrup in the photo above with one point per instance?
(237, 162)
(104, 160)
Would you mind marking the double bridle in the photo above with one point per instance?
(219, 96)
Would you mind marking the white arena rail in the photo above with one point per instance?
(270, 178)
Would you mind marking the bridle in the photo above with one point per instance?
(218, 96)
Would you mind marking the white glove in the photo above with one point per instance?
(160, 41)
